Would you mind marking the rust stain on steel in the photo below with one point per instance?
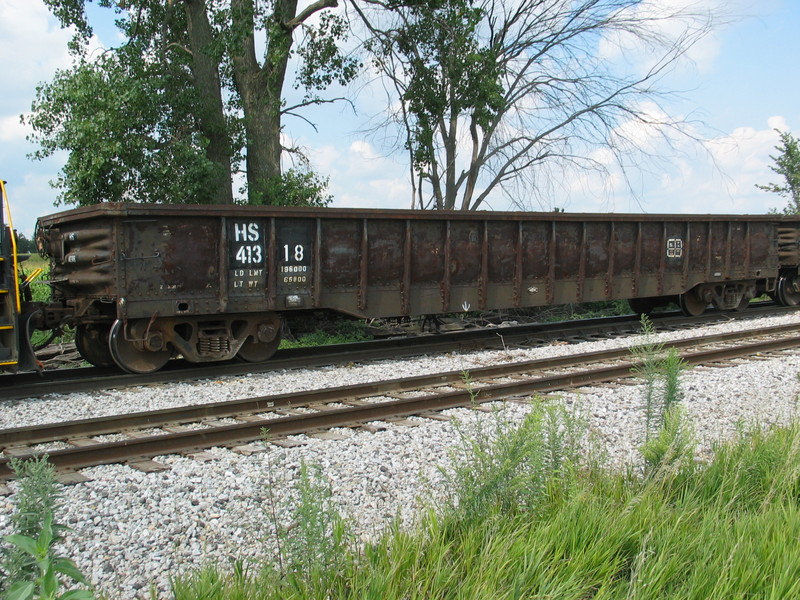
(206, 260)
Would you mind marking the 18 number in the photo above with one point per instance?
(298, 255)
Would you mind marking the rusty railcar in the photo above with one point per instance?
(144, 282)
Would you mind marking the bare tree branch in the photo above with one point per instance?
(564, 85)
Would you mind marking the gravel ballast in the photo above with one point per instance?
(131, 529)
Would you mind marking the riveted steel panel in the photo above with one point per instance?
(384, 263)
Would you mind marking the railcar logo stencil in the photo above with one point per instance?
(247, 258)
(674, 248)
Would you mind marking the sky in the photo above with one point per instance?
(741, 85)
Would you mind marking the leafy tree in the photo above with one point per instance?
(144, 121)
(297, 187)
(159, 130)
(128, 137)
(787, 165)
(490, 92)
(25, 245)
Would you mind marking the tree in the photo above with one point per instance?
(488, 92)
(787, 165)
(128, 136)
(144, 121)
(260, 85)
(180, 59)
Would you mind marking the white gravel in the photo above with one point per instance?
(131, 529)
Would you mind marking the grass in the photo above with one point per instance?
(40, 292)
(525, 514)
(567, 529)
(340, 331)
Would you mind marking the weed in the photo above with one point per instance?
(311, 548)
(317, 539)
(717, 531)
(671, 445)
(668, 441)
(648, 359)
(36, 498)
(503, 466)
(44, 583)
(30, 565)
(343, 331)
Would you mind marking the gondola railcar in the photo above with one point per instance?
(142, 283)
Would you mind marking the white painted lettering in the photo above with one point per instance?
(240, 232)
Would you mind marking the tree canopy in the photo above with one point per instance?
(787, 165)
(484, 95)
(172, 113)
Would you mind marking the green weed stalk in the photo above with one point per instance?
(30, 566)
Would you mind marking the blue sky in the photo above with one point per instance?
(742, 85)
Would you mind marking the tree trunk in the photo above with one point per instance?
(205, 69)
(260, 89)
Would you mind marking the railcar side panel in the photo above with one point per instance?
(166, 268)
(168, 261)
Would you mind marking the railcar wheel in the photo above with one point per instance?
(743, 303)
(265, 344)
(643, 306)
(92, 344)
(130, 352)
(258, 351)
(787, 291)
(691, 305)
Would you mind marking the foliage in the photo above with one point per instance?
(128, 133)
(30, 566)
(296, 187)
(716, 531)
(169, 114)
(507, 467)
(449, 73)
(314, 548)
(487, 95)
(342, 331)
(46, 583)
(25, 245)
(668, 439)
(660, 370)
(315, 545)
(320, 48)
(787, 165)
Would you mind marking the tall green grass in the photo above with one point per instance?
(518, 523)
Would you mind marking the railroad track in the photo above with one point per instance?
(31, 385)
(351, 405)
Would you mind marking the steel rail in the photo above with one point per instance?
(28, 385)
(91, 378)
(230, 435)
(36, 434)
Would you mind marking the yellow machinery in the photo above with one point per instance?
(15, 348)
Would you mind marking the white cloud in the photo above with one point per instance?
(12, 130)
(696, 23)
(364, 150)
(717, 177)
(744, 158)
(25, 63)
